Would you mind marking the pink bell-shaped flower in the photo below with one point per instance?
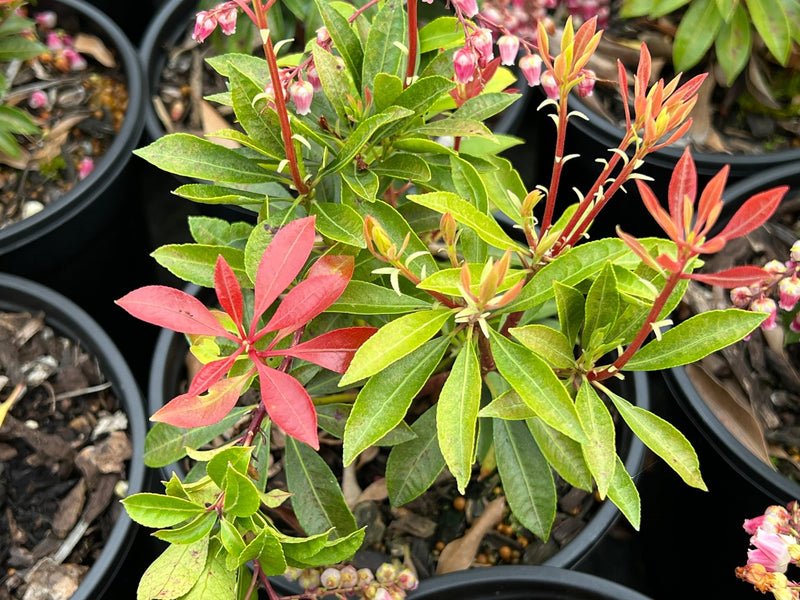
(464, 61)
(549, 85)
(302, 93)
(226, 17)
(768, 306)
(531, 66)
(468, 7)
(790, 292)
(586, 85)
(204, 25)
(509, 47)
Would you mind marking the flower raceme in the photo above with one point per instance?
(214, 391)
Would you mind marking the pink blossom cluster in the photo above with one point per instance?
(224, 15)
(388, 582)
(774, 545)
(521, 17)
(784, 281)
(60, 44)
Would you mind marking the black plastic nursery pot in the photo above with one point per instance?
(116, 566)
(506, 582)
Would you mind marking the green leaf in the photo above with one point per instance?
(602, 304)
(452, 126)
(17, 120)
(547, 343)
(526, 476)
(251, 66)
(508, 405)
(386, 90)
(195, 263)
(769, 19)
(166, 444)
(651, 8)
(210, 231)
(624, 494)
(600, 453)
(158, 510)
(403, 166)
(339, 223)
(231, 539)
(483, 106)
(662, 438)
(695, 338)
(734, 44)
(362, 298)
(364, 183)
(413, 466)
(345, 39)
(236, 458)
(447, 281)
(317, 499)
(481, 223)
(421, 94)
(383, 55)
(205, 193)
(197, 528)
(216, 580)
(696, 33)
(570, 306)
(393, 341)
(337, 84)
(538, 386)
(191, 156)
(335, 551)
(563, 454)
(241, 495)
(257, 118)
(382, 403)
(174, 572)
(443, 32)
(266, 547)
(19, 48)
(457, 414)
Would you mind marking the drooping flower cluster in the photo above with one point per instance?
(388, 582)
(224, 15)
(784, 283)
(774, 538)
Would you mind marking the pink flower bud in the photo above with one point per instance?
(313, 77)
(751, 525)
(771, 550)
(85, 167)
(349, 577)
(795, 324)
(37, 99)
(790, 292)
(330, 578)
(302, 92)
(382, 594)
(386, 573)
(204, 25)
(531, 66)
(46, 19)
(795, 251)
(226, 17)
(509, 47)
(586, 85)
(464, 61)
(75, 60)
(549, 85)
(768, 306)
(54, 41)
(323, 38)
(483, 43)
(775, 267)
(741, 297)
(365, 576)
(407, 580)
(468, 7)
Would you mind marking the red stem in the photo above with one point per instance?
(558, 165)
(412, 41)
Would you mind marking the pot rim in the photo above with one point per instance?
(67, 318)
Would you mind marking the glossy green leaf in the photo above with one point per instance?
(364, 183)
(443, 32)
(335, 551)
(662, 438)
(337, 84)
(383, 401)
(624, 494)
(381, 52)
(563, 454)
(447, 281)
(481, 223)
(403, 166)
(252, 66)
(526, 476)
(362, 298)
(345, 39)
(231, 539)
(174, 572)
(600, 453)
(236, 458)
(158, 510)
(570, 306)
(317, 498)
(457, 414)
(504, 185)
(546, 342)
(413, 466)
(769, 19)
(241, 495)
(483, 106)
(196, 529)
(537, 385)
(454, 127)
(204, 193)
(210, 231)
(696, 33)
(18, 47)
(393, 341)
(216, 580)
(508, 405)
(695, 338)
(602, 304)
(195, 263)
(191, 156)
(258, 119)
(339, 223)
(734, 44)
(651, 8)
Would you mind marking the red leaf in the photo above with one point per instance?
(333, 265)
(211, 372)
(657, 211)
(228, 291)
(682, 184)
(288, 404)
(753, 213)
(639, 249)
(305, 301)
(733, 277)
(667, 263)
(333, 350)
(281, 262)
(710, 204)
(173, 309)
(198, 411)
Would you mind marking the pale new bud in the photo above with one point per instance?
(407, 580)
(204, 25)
(386, 573)
(365, 576)
(226, 17)
(349, 577)
(741, 296)
(531, 66)
(549, 85)
(54, 41)
(795, 251)
(586, 85)
(768, 306)
(330, 578)
(464, 61)
(75, 60)
(46, 19)
(775, 267)
(790, 292)
(382, 594)
(309, 579)
(323, 38)
(312, 76)
(509, 47)
(302, 93)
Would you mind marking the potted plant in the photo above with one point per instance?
(377, 278)
(72, 435)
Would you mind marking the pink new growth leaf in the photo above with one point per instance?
(229, 293)
(333, 350)
(197, 411)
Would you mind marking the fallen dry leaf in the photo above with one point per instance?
(460, 553)
(213, 121)
(94, 47)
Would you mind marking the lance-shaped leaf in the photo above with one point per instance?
(344, 38)
(383, 401)
(602, 304)
(526, 476)
(753, 213)
(210, 373)
(599, 453)
(564, 454)
(173, 309)
(662, 438)
(550, 344)
(362, 298)
(206, 409)
(695, 338)
(734, 277)
(333, 350)
(281, 262)
(624, 494)
(457, 414)
(229, 293)
(194, 530)
(382, 53)
(158, 510)
(537, 385)
(288, 404)
(393, 341)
